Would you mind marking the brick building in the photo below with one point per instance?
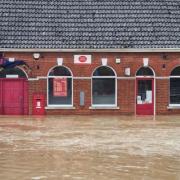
(90, 57)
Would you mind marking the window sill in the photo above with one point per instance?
(104, 107)
(60, 107)
(173, 106)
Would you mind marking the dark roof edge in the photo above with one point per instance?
(90, 50)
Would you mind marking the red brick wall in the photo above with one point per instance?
(125, 87)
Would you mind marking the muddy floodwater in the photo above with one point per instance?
(90, 148)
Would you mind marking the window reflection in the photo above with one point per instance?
(103, 86)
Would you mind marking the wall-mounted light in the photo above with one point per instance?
(118, 60)
(36, 56)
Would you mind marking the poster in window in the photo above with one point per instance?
(60, 87)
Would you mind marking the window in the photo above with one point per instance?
(144, 71)
(175, 86)
(104, 87)
(60, 87)
(12, 71)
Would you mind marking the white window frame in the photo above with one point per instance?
(104, 77)
(170, 104)
(60, 105)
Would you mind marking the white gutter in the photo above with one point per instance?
(90, 50)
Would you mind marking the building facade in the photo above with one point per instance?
(90, 58)
(111, 83)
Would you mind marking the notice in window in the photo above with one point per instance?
(60, 87)
(148, 96)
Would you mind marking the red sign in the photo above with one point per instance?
(60, 87)
(82, 58)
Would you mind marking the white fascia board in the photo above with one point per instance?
(91, 50)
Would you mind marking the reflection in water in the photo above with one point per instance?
(84, 147)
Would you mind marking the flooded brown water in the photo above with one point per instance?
(90, 148)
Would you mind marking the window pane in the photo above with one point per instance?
(104, 91)
(145, 71)
(104, 71)
(12, 71)
(60, 91)
(60, 71)
(175, 91)
(176, 71)
(144, 95)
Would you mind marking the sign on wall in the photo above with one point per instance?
(82, 59)
(60, 87)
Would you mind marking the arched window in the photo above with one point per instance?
(60, 87)
(16, 72)
(104, 90)
(175, 86)
(144, 71)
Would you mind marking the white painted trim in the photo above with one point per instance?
(23, 71)
(59, 107)
(91, 50)
(165, 77)
(173, 106)
(130, 78)
(154, 96)
(145, 77)
(14, 76)
(174, 76)
(104, 107)
(83, 78)
(33, 79)
(42, 77)
(118, 77)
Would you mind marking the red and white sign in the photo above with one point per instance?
(60, 87)
(82, 59)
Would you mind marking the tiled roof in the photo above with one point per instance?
(94, 24)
